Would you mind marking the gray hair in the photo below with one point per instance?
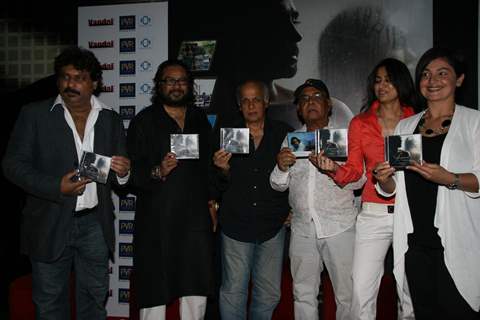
(262, 85)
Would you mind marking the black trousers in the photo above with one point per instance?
(434, 294)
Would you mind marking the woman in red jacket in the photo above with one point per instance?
(390, 96)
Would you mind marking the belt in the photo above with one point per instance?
(378, 207)
(84, 212)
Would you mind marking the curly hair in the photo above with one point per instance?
(81, 59)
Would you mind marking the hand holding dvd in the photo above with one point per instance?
(72, 184)
(221, 160)
(285, 159)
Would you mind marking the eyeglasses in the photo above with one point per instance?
(172, 81)
(316, 97)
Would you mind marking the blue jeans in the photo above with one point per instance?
(87, 250)
(264, 262)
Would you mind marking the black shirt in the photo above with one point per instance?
(422, 197)
(250, 210)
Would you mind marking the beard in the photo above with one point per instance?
(174, 98)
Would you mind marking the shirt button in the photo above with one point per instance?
(254, 204)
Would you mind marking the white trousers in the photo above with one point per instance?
(307, 257)
(191, 308)
(373, 238)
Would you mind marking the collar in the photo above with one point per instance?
(94, 102)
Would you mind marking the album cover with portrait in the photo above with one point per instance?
(334, 143)
(94, 166)
(185, 146)
(301, 143)
(401, 150)
(235, 140)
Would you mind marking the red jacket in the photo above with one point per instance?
(365, 144)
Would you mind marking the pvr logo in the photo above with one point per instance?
(125, 250)
(123, 295)
(127, 45)
(127, 22)
(127, 203)
(127, 90)
(127, 113)
(127, 67)
(124, 272)
(126, 227)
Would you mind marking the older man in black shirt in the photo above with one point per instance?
(251, 214)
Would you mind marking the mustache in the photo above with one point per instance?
(70, 90)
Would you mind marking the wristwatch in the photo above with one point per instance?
(455, 183)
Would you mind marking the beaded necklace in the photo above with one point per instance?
(444, 126)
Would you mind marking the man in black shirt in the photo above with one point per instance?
(251, 214)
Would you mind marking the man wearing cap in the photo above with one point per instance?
(323, 220)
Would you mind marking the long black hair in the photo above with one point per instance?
(399, 77)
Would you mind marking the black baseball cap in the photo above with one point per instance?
(315, 83)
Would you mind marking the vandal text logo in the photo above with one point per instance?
(127, 22)
(107, 66)
(127, 45)
(124, 272)
(127, 90)
(107, 88)
(127, 67)
(126, 226)
(100, 22)
(125, 250)
(100, 44)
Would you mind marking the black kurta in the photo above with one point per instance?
(173, 237)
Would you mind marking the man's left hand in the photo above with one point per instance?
(120, 165)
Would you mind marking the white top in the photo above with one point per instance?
(315, 196)
(89, 198)
(457, 214)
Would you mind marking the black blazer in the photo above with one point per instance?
(40, 151)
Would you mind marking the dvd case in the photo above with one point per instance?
(334, 143)
(94, 166)
(302, 143)
(235, 140)
(401, 150)
(185, 146)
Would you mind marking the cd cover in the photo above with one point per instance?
(401, 150)
(301, 143)
(94, 166)
(235, 140)
(185, 146)
(334, 143)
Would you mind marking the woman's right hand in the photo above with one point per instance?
(383, 173)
